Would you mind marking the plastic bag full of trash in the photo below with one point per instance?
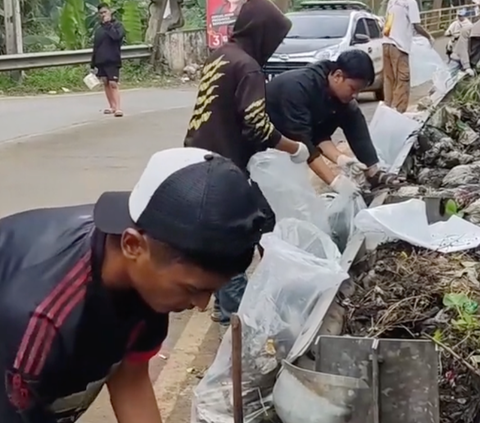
(287, 188)
(279, 297)
(341, 212)
(424, 62)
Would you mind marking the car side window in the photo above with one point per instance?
(373, 29)
(361, 28)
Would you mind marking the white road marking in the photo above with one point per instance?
(170, 383)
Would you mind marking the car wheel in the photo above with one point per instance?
(379, 95)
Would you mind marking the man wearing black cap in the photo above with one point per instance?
(85, 291)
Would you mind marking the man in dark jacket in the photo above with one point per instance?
(229, 116)
(107, 58)
(86, 291)
(310, 103)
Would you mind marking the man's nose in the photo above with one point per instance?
(201, 301)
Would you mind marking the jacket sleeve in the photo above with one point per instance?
(28, 360)
(250, 103)
(356, 132)
(115, 31)
(298, 116)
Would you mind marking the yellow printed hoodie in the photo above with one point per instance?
(229, 116)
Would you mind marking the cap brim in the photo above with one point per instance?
(111, 214)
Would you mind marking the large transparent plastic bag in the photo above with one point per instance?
(287, 188)
(390, 131)
(424, 62)
(308, 237)
(341, 212)
(279, 297)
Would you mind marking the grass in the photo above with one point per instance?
(70, 79)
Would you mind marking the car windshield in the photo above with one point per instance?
(318, 26)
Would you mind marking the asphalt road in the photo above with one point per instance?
(61, 150)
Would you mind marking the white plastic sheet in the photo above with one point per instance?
(280, 296)
(390, 132)
(287, 188)
(407, 221)
(424, 62)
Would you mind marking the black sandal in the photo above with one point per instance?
(383, 179)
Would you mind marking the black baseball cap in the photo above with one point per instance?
(189, 198)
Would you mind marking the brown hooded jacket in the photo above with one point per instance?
(229, 117)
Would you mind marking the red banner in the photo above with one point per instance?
(221, 16)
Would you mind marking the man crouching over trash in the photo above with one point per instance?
(229, 117)
(310, 103)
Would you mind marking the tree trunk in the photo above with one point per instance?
(175, 19)
(157, 10)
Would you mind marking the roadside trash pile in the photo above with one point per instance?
(445, 160)
(404, 291)
(421, 281)
(300, 263)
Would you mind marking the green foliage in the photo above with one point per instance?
(452, 209)
(465, 308)
(70, 78)
(132, 21)
(72, 25)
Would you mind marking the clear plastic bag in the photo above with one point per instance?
(280, 296)
(390, 131)
(341, 212)
(287, 188)
(424, 62)
(308, 237)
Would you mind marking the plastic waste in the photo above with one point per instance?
(424, 62)
(287, 188)
(91, 81)
(390, 132)
(308, 237)
(280, 295)
(305, 396)
(462, 174)
(389, 223)
(341, 212)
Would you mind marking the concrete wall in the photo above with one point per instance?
(181, 48)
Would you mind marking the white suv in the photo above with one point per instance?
(325, 29)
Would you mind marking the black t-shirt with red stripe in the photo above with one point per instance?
(62, 332)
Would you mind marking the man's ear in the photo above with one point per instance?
(133, 244)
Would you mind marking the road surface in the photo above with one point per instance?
(59, 150)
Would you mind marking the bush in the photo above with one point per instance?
(70, 78)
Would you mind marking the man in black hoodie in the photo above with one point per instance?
(106, 57)
(310, 103)
(229, 117)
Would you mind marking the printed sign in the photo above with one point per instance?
(221, 16)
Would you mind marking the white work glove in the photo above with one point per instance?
(350, 165)
(345, 186)
(301, 155)
(470, 72)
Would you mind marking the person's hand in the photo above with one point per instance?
(351, 165)
(345, 186)
(470, 72)
(301, 155)
(93, 70)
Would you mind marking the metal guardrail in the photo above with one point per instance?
(13, 62)
(434, 21)
(440, 19)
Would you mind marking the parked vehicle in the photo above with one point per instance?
(324, 29)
